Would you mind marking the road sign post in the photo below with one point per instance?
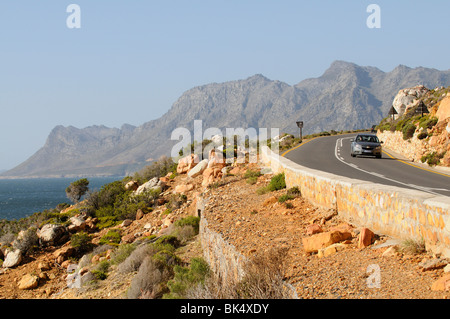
(300, 126)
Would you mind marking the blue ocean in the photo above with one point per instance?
(23, 197)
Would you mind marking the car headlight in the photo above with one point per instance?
(378, 148)
(358, 147)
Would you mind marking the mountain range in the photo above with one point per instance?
(345, 97)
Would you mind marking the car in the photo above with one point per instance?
(366, 144)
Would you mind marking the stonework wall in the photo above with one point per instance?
(393, 211)
(222, 257)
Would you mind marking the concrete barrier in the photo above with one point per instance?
(388, 210)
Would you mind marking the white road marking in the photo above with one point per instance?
(422, 188)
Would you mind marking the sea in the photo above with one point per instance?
(21, 198)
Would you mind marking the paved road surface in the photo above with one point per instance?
(332, 154)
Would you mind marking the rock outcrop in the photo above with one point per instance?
(407, 98)
(425, 140)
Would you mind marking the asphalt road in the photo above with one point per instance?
(332, 154)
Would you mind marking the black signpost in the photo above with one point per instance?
(422, 108)
(300, 126)
(393, 112)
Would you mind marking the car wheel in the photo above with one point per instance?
(379, 156)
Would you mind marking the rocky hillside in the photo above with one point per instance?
(142, 255)
(420, 138)
(345, 97)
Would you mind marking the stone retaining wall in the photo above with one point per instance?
(393, 211)
(223, 258)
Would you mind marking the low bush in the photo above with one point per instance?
(148, 283)
(412, 246)
(27, 241)
(277, 182)
(81, 241)
(408, 131)
(422, 135)
(189, 221)
(113, 236)
(432, 158)
(186, 278)
(135, 258)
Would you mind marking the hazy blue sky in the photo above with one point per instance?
(131, 60)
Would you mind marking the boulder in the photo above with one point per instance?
(216, 160)
(44, 266)
(153, 184)
(433, 264)
(187, 163)
(443, 112)
(126, 223)
(63, 253)
(51, 234)
(183, 188)
(322, 240)
(366, 237)
(139, 214)
(28, 282)
(132, 185)
(198, 169)
(270, 201)
(408, 97)
(77, 224)
(313, 229)
(13, 259)
(442, 284)
(128, 239)
(332, 249)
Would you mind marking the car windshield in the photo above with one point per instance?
(367, 138)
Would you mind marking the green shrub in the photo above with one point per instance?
(121, 253)
(277, 182)
(262, 190)
(189, 221)
(428, 123)
(107, 221)
(168, 240)
(408, 131)
(186, 278)
(101, 270)
(250, 173)
(294, 192)
(422, 135)
(113, 236)
(81, 241)
(432, 158)
(157, 169)
(284, 198)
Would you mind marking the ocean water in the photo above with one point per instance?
(23, 197)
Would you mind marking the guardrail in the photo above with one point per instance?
(388, 210)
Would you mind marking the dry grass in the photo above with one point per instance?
(263, 279)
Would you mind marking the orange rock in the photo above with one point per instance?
(344, 227)
(442, 284)
(313, 229)
(270, 201)
(183, 188)
(365, 237)
(322, 240)
(187, 163)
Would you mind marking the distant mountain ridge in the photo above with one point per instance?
(345, 97)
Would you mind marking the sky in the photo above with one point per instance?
(130, 60)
